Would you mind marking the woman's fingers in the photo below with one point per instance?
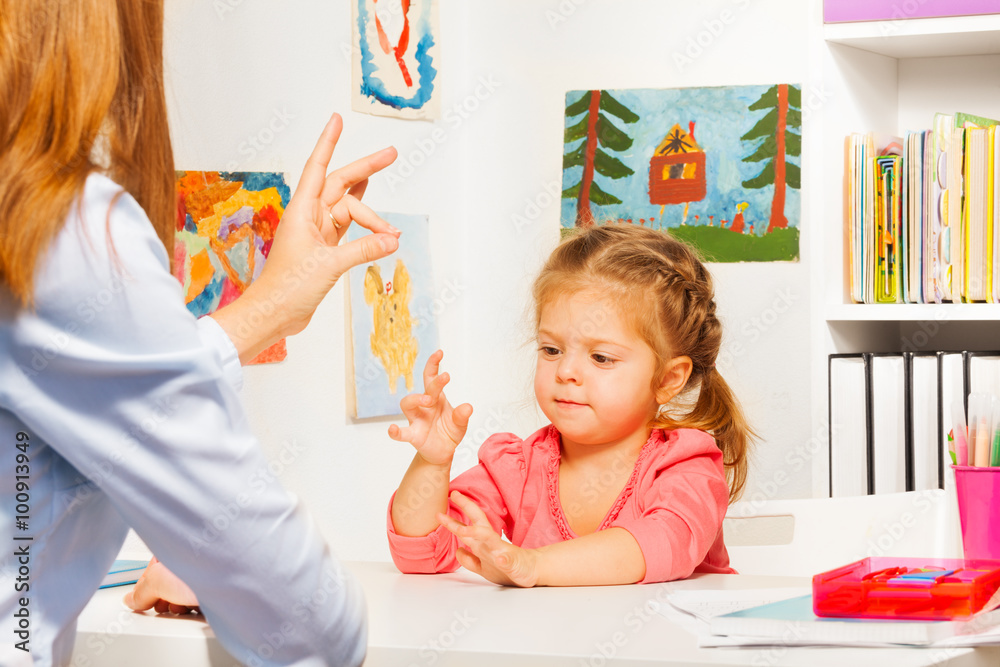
(343, 179)
(358, 189)
(314, 173)
(350, 209)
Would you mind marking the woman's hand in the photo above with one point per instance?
(436, 428)
(160, 588)
(306, 258)
(485, 552)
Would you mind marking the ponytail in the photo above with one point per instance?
(717, 411)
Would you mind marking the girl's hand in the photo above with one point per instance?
(435, 428)
(485, 552)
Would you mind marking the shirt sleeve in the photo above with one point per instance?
(682, 501)
(493, 484)
(135, 397)
(215, 338)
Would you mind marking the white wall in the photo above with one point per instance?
(236, 72)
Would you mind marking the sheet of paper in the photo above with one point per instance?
(703, 605)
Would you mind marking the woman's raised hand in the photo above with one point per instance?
(309, 256)
(435, 427)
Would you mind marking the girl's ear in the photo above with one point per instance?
(675, 377)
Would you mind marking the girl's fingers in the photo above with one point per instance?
(470, 509)
(436, 386)
(343, 179)
(400, 434)
(314, 172)
(461, 416)
(450, 522)
(432, 366)
(467, 560)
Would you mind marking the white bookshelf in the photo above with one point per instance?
(920, 38)
(890, 77)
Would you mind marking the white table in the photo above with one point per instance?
(459, 619)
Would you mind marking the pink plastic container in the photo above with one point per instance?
(979, 510)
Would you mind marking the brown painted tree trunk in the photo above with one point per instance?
(778, 219)
(584, 217)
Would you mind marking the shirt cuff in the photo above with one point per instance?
(215, 337)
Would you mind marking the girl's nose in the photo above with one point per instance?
(567, 370)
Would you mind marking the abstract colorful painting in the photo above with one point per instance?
(225, 225)
(395, 58)
(393, 327)
(719, 168)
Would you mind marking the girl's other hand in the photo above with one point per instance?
(436, 428)
(485, 552)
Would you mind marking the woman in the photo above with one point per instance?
(120, 408)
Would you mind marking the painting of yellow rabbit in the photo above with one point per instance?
(391, 319)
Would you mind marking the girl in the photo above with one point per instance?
(626, 484)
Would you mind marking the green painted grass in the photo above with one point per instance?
(722, 245)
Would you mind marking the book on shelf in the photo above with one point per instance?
(921, 216)
(124, 572)
(794, 618)
(850, 425)
(885, 420)
(889, 428)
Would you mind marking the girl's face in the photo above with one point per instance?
(594, 374)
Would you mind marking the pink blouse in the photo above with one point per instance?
(673, 504)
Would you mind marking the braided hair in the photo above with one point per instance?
(665, 293)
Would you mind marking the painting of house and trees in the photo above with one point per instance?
(719, 168)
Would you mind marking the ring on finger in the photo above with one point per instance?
(336, 224)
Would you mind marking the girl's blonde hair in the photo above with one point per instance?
(69, 73)
(666, 294)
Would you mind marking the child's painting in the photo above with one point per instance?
(395, 58)
(225, 226)
(719, 168)
(392, 320)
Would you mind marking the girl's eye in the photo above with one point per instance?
(549, 350)
(601, 359)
